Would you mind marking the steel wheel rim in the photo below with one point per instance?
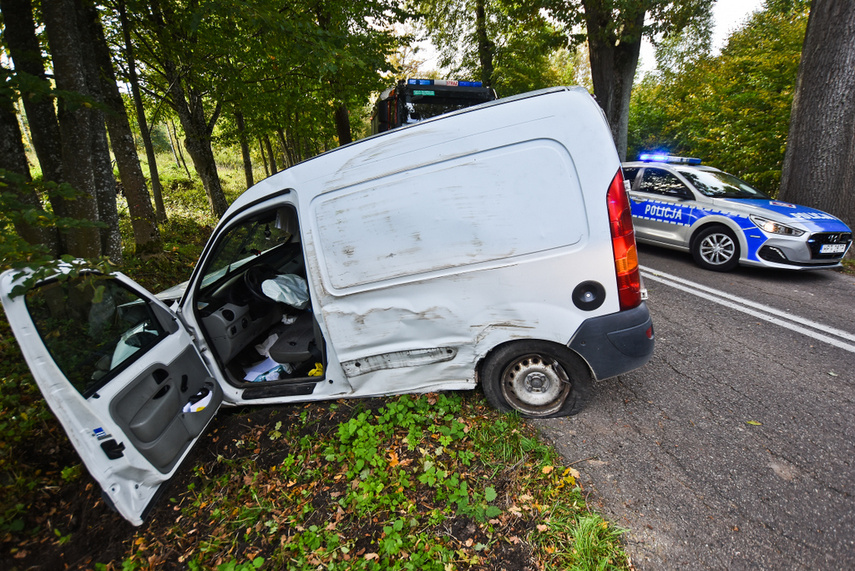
(717, 249)
(535, 385)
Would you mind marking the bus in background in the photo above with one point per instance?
(414, 100)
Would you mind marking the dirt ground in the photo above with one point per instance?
(76, 530)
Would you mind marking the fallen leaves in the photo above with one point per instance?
(298, 499)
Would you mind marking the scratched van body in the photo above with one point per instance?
(493, 245)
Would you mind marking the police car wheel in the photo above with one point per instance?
(716, 248)
(536, 379)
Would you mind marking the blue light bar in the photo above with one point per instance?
(444, 82)
(664, 158)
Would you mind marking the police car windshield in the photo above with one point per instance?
(717, 184)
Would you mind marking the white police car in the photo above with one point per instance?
(678, 203)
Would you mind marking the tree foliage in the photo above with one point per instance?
(614, 31)
(732, 110)
(283, 71)
(290, 71)
(517, 39)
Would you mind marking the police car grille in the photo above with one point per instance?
(817, 240)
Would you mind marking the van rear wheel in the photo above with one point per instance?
(536, 379)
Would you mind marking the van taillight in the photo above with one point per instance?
(623, 244)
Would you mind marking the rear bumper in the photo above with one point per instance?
(616, 343)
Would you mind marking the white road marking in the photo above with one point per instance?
(792, 322)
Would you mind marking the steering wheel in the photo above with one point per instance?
(254, 277)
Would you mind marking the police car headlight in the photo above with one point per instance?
(772, 227)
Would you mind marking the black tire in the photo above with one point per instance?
(716, 248)
(536, 379)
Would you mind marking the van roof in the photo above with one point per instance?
(379, 146)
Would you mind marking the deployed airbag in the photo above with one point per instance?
(290, 289)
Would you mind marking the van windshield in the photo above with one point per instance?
(242, 244)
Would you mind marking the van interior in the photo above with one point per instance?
(255, 308)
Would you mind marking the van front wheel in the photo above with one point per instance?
(537, 379)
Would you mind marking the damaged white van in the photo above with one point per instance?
(491, 245)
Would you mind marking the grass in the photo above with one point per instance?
(431, 482)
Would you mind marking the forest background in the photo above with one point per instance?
(114, 98)
(127, 127)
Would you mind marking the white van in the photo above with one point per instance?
(492, 245)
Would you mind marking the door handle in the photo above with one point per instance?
(161, 393)
(114, 450)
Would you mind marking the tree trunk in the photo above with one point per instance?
(819, 163)
(298, 150)
(263, 157)
(292, 148)
(177, 145)
(613, 64)
(13, 158)
(198, 146)
(143, 221)
(173, 143)
(78, 125)
(145, 132)
(105, 182)
(20, 38)
(340, 116)
(286, 151)
(197, 138)
(342, 124)
(271, 156)
(485, 46)
(244, 149)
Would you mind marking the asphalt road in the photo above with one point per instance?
(734, 447)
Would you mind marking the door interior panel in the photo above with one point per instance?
(150, 411)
